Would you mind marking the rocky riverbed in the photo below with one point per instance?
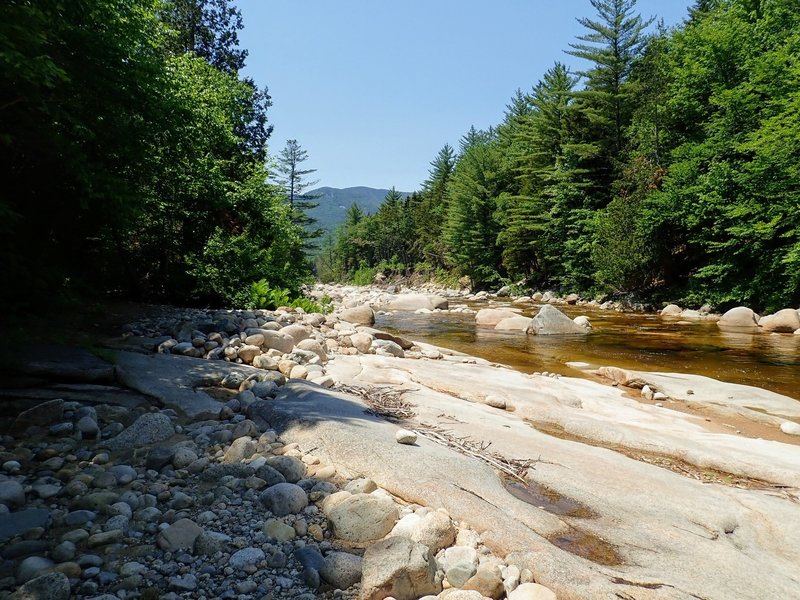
(275, 454)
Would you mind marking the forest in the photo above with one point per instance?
(668, 170)
(135, 165)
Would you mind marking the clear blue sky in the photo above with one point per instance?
(372, 89)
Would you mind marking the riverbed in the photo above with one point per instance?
(645, 342)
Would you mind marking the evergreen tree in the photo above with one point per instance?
(289, 174)
(612, 44)
(430, 208)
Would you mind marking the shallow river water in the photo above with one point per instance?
(632, 341)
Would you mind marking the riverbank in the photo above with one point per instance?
(645, 524)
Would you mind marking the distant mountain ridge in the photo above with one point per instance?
(334, 202)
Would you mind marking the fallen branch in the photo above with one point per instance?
(387, 403)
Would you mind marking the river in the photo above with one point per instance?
(644, 342)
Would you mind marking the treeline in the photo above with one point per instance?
(669, 169)
(133, 156)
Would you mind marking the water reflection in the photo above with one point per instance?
(633, 341)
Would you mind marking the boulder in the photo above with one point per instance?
(389, 347)
(414, 302)
(41, 415)
(52, 586)
(361, 342)
(571, 299)
(433, 529)
(739, 317)
(358, 315)
(783, 321)
(517, 323)
(284, 499)
(551, 321)
(532, 591)
(492, 316)
(399, 568)
(341, 569)
(181, 535)
(148, 429)
(298, 332)
(583, 321)
(315, 347)
(277, 340)
(362, 518)
(671, 310)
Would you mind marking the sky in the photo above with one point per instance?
(373, 89)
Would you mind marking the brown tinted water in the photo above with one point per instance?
(632, 341)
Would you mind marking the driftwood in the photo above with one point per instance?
(388, 403)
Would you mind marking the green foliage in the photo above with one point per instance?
(128, 122)
(364, 275)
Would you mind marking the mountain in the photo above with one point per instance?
(334, 202)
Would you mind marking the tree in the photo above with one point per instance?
(430, 208)
(612, 44)
(289, 174)
(209, 29)
(471, 229)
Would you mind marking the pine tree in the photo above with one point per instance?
(430, 207)
(290, 175)
(612, 44)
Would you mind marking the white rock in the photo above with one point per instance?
(403, 436)
(790, 428)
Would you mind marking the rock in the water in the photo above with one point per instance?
(284, 499)
(399, 568)
(416, 302)
(16, 523)
(360, 315)
(517, 323)
(150, 428)
(671, 310)
(583, 321)
(739, 317)
(493, 316)
(362, 518)
(181, 535)
(403, 436)
(783, 321)
(341, 569)
(551, 321)
(52, 586)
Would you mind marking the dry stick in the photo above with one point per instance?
(388, 403)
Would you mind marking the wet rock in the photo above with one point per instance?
(783, 321)
(493, 316)
(399, 568)
(88, 428)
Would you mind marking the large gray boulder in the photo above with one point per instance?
(551, 321)
(400, 568)
(52, 586)
(739, 317)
